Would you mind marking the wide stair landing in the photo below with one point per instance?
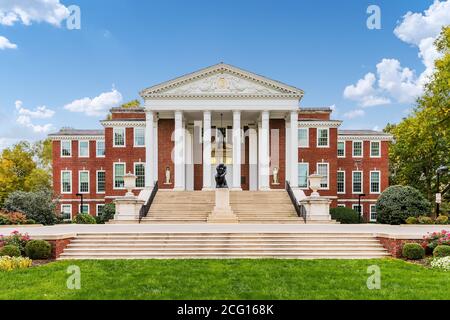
(249, 206)
(224, 245)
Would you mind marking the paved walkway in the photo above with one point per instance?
(406, 232)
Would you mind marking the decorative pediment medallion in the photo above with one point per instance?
(221, 81)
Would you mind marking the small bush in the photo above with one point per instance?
(413, 251)
(12, 263)
(38, 250)
(412, 220)
(425, 220)
(4, 221)
(432, 240)
(441, 251)
(10, 251)
(441, 263)
(345, 215)
(14, 217)
(109, 210)
(17, 239)
(441, 220)
(84, 218)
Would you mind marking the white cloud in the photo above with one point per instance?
(26, 122)
(26, 115)
(29, 11)
(7, 142)
(6, 44)
(401, 84)
(354, 114)
(97, 106)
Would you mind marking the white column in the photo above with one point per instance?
(207, 150)
(155, 149)
(179, 152)
(293, 157)
(253, 158)
(237, 150)
(149, 149)
(264, 161)
(288, 148)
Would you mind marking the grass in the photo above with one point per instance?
(226, 279)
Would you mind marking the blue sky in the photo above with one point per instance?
(321, 47)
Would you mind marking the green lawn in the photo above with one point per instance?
(226, 279)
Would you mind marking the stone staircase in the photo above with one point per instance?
(224, 245)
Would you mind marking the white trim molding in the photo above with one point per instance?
(123, 123)
(319, 124)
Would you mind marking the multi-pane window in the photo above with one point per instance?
(100, 148)
(303, 138)
(341, 182)
(374, 181)
(357, 148)
(84, 208)
(66, 148)
(341, 149)
(119, 137)
(139, 137)
(358, 208)
(322, 137)
(373, 212)
(139, 172)
(101, 179)
(303, 172)
(66, 211)
(84, 182)
(357, 182)
(66, 182)
(119, 172)
(83, 149)
(100, 209)
(322, 169)
(375, 149)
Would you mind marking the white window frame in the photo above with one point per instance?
(134, 137)
(79, 148)
(371, 211)
(96, 208)
(341, 205)
(307, 174)
(307, 138)
(96, 148)
(355, 207)
(362, 148)
(114, 174)
(353, 182)
(124, 137)
(88, 208)
(62, 184)
(134, 170)
(79, 182)
(96, 181)
(344, 149)
(379, 149)
(328, 174)
(318, 137)
(70, 210)
(345, 189)
(379, 182)
(61, 148)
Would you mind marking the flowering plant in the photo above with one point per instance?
(16, 239)
(11, 263)
(441, 263)
(432, 240)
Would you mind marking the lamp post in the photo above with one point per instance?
(80, 195)
(439, 171)
(359, 205)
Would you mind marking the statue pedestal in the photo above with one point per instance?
(127, 208)
(222, 212)
(317, 208)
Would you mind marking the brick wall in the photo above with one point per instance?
(166, 145)
(278, 128)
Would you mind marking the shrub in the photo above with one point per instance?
(435, 239)
(413, 251)
(441, 251)
(10, 251)
(38, 206)
(12, 263)
(441, 220)
(397, 203)
(84, 218)
(17, 239)
(4, 221)
(425, 220)
(441, 263)
(38, 249)
(14, 217)
(344, 215)
(109, 210)
(412, 220)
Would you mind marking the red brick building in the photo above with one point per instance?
(190, 124)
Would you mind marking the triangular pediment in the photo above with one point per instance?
(221, 80)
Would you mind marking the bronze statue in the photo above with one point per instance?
(221, 182)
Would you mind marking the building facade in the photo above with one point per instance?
(221, 114)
